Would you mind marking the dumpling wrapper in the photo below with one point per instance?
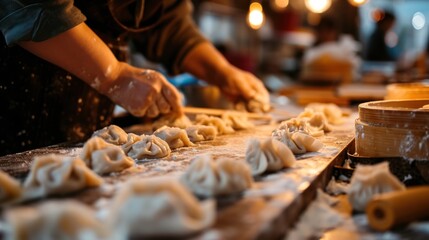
(54, 174)
(268, 156)
(370, 180)
(220, 124)
(237, 122)
(198, 133)
(175, 137)
(112, 134)
(332, 112)
(160, 207)
(149, 146)
(208, 177)
(316, 121)
(298, 142)
(54, 220)
(131, 139)
(10, 188)
(103, 157)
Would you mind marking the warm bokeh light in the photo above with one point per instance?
(318, 6)
(255, 17)
(418, 21)
(377, 15)
(357, 3)
(279, 5)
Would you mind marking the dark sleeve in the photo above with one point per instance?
(172, 38)
(35, 20)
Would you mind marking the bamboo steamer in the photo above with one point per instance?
(407, 91)
(393, 128)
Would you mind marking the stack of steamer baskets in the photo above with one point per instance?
(397, 127)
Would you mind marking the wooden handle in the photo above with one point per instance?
(392, 209)
(219, 112)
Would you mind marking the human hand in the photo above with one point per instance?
(142, 92)
(244, 89)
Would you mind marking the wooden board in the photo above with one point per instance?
(266, 211)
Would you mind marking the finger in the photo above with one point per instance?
(163, 105)
(173, 98)
(152, 111)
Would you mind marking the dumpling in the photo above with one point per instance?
(370, 180)
(175, 137)
(208, 177)
(10, 188)
(131, 139)
(316, 120)
(298, 142)
(221, 126)
(172, 121)
(158, 207)
(268, 155)
(332, 112)
(112, 134)
(149, 146)
(295, 125)
(54, 220)
(54, 174)
(103, 157)
(237, 122)
(197, 133)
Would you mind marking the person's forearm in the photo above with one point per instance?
(81, 52)
(205, 62)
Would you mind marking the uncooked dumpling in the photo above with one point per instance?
(316, 120)
(221, 126)
(297, 125)
(268, 155)
(10, 188)
(112, 134)
(54, 174)
(175, 137)
(370, 180)
(172, 121)
(197, 133)
(149, 146)
(131, 139)
(208, 177)
(298, 142)
(237, 122)
(103, 157)
(53, 220)
(332, 112)
(158, 207)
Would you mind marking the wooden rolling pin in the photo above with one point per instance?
(389, 210)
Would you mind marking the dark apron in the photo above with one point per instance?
(41, 104)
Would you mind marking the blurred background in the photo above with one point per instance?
(339, 51)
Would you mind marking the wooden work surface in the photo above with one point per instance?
(266, 211)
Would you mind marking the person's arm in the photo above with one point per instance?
(81, 52)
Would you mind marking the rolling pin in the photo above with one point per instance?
(388, 210)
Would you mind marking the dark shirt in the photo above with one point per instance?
(42, 104)
(377, 49)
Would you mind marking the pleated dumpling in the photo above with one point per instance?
(220, 124)
(54, 174)
(298, 142)
(172, 121)
(370, 180)
(149, 146)
(131, 139)
(112, 134)
(54, 220)
(332, 112)
(208, 177)
(237, 122)
(158, 207)
(103, 157)
(197, 133)
(316, 121)
(175, 137)
(268, 155)
(10, 188)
